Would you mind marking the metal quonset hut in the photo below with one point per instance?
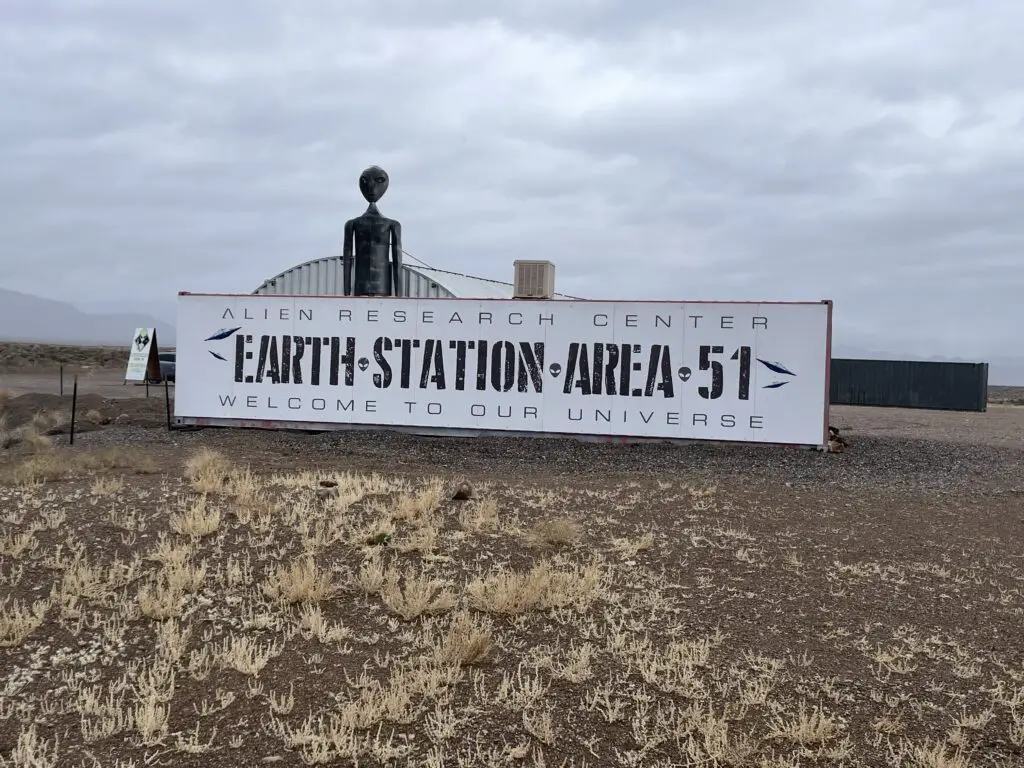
(323, 277)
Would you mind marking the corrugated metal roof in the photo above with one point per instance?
(323, 277)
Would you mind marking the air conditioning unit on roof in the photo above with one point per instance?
(535, 279)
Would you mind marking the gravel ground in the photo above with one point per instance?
(879, 456)
(880, 586)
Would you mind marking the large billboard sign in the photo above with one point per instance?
(736, 371)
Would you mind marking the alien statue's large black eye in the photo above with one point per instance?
(380, 179)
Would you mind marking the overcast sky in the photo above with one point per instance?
(868, 152)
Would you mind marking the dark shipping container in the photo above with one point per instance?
(909, 384)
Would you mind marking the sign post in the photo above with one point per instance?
(144, 360)
(720, 371)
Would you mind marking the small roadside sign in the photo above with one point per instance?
(143, 362)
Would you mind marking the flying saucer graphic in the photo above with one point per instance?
(779, 369)
(223, 333)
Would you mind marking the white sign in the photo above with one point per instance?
(138, 360)
(754, 372)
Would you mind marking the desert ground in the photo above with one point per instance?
(232, 597)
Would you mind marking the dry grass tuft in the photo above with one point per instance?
(197, 519)
(543, 587)
(8, 436)
(19, 620)
(116, 458)
(48, 422)
(33, 751)
(300, 582)
(106, 486)
(805, 728)
(47, 465)
(35, 441)
(479, 515)
(412, 507)
(414, 593)
(553, 534)
(208, 471)
(34, 470)
(468, 641)
(631, 547)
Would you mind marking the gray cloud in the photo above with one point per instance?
(868, 153)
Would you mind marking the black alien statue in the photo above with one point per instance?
(378, 244)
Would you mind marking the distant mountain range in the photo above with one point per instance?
(29, 318)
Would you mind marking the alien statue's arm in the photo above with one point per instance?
(396, 258)
(346, 257)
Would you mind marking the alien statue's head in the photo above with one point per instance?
(373, 183)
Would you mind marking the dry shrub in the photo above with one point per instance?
(377, 532)
(312, 623)
(422, 539)
(35, 441)
(14, 545)
(937, 754)
(372, 575)
(93, 416)
(541, 588)
(45, 465)
(32, 750)
(301, 582)
(106, 486)
(88, 581)
(116, 458)
(245, 654)
(5, 398)
(170, 553)
(814, 727)
(628, 547)
(468, 641)
(243, 485)
(196, 520)
(35, 470)
(479, 515)
(163, 596)
(159, 601)
(559, 532)
(425, 501)
(185, 576)
(420, 594)
(8, 437)
(46, 422)
(207, 470)
(19, 621)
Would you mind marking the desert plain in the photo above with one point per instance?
(242, 597)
